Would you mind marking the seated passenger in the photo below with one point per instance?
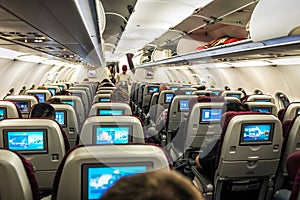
(42, 110)
(63, 92)
(205, 160)
(152, 186)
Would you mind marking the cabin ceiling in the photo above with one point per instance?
(54, 28)
(57, 29)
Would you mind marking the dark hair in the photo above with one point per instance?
(42, 110)
(234, 106)
(63, 92)
(152, 186)
(54, 100)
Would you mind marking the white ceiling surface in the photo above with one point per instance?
(150, 20)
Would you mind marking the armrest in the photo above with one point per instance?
(202, 182)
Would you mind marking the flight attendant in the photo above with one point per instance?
(123, 79)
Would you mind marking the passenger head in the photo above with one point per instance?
(226, 87)
(120, 95)
(42, 87)
(236, 107)
(201, 87)
(105, 80)
(63, 92)
(124, 69)
(163, 86)
(54, 100)
(242, 90)
(153, 186)
(42, 110)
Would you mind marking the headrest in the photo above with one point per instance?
(293, 164)
(205, 99)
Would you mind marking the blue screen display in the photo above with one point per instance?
(26, 140)
(216, 92)
(261, 109)
(252, 133)
(262, 100)
(60, 117)
(68, 102)
(234, 95)
(152, 89)
(2, 113)
(188, 92)
(174, 88)
(61, 87)
(107, 112)
(112, 135)
(53, 91)
(211, 114)
(184, 105)
(298, 112)
(23, 106)
(104, 99)
(41, 97)
(169, 97)
(100, 179)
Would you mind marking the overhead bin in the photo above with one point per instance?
(275, 18)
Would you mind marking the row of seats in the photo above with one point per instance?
(91, 125)
(85, 172)
(200, 132)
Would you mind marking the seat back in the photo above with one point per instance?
(42, 95)
(111, 130)
(230, 93)
(248, 155)
(102, 98)
(203, 126)
(84, 98)
(100, 91)
(67, 118)
(17, 177)
(61, 86)
(293, 168)
(87, 90)
(40, 141)
(140, 93)
(9, 110)
(90, 86)
(98, 167)
(148, 91)
(188, 91)
(76, 102)
(266, 107)
(164, 99)
(179, 108)
(23, 102)
(260, 98)
(110, 108)
(290, 112)
(53, 89)
(202, 93)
